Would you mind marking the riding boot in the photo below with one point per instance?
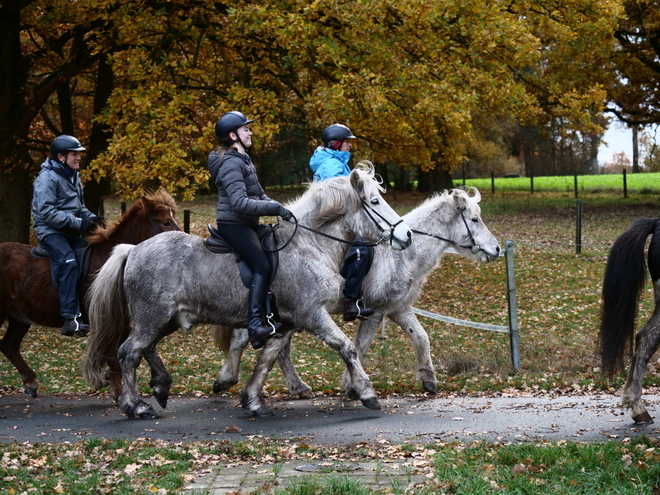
(353, 308)
(259, 332)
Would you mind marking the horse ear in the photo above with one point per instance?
(357, 180)
(459, 200)
(148, 204)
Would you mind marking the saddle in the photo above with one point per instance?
(217, 244)
(83, 256)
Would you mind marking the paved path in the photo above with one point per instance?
(326, 420)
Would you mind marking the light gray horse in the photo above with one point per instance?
(450, 219)
(175, 282)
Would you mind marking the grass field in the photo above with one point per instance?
(558, 297)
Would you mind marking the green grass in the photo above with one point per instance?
(631, 466)
(609, 183)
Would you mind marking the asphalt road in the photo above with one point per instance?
(328, 420)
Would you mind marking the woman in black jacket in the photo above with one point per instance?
(241, 201)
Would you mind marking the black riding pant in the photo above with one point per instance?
(64, 270)
(356, 266)
(245, 242)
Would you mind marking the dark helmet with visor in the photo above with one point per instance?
(229, 122)
(62, 144)
(336, 132)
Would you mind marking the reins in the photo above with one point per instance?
(475, 248)
(367, 210)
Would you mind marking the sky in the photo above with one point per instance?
(618, 139)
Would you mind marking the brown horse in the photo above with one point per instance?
(27, 294)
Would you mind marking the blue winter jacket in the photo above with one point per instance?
(327, 163)
(57, 201)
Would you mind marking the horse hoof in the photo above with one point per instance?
(219, 386)
(31, 392)
(429, 387)
(371, 403)
(643, 419)
(352, 394)
(262, 412)
(150, 414)
(162, 399)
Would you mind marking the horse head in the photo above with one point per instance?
(357, 200)
(470, 228)
(150, 215)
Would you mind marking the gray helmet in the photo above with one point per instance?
(336, 132)
(62, 144)
(228, 123)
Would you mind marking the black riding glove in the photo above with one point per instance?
(90, 223)
(284, 213)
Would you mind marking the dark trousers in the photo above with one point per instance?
(64, 270)
(356, 266)
(245, 242)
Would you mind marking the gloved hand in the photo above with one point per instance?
(284, 213)
(90, 223)
(97, 220)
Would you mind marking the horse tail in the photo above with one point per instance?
(108, 316)
(222, 337)
(625, 277)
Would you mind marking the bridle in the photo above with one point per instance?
(474, 247)
(370, 213)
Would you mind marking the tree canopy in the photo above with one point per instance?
(423, 84)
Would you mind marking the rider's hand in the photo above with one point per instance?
(284, 213)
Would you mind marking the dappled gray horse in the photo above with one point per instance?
(451, 219)
(175, 282)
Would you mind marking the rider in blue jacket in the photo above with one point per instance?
(60, 218)
(331, 160)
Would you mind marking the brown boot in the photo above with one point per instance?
(353, 309)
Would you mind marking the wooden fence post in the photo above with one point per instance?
(186, 221)
(625, 184)
(492, 182)
(578, 227)
(512, 305)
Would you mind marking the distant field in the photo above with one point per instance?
(640, 183)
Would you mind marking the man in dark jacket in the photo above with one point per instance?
(59, 219)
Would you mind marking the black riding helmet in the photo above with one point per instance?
(336, 132)
(229, 122)
(62, 144)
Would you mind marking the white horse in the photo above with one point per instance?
(175, 281)
(451, 219)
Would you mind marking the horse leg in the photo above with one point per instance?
(130, 355)
(646, 343)
(363, 339)
(161, 380)
(412, 328)
(293, 381)
(10, 345)
(251, 397)
(360, 388)
(113, 377)
(230, 372)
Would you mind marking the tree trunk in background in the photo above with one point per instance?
(100, 135)
(635, 150)
(15, 191)
(594, 142)
(65, 109)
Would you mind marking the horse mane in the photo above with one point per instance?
(326, 200)
(155, 203)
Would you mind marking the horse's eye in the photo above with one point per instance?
(475, 219)
(166, 224)
(375, 201)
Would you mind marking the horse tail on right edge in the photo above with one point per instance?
(222, 337)
(108, 316)
(625, 277)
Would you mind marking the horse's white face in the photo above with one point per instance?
(471, 229)
(378, 220)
